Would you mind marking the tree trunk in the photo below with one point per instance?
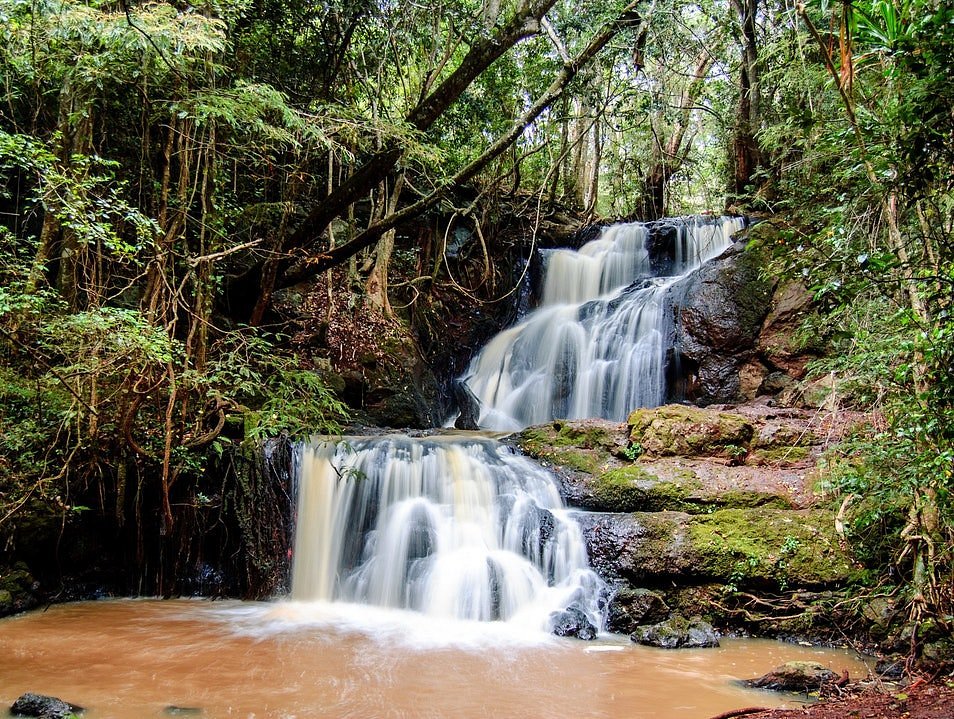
(377, 284)
(747, 155)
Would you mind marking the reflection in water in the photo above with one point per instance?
(133, 658)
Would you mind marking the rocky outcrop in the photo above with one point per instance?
(685, 459)
(747, 548)
(704, 511)
(721, 309)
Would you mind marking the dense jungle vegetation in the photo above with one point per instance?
(166, 168)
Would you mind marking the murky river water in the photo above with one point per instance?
(137, 658)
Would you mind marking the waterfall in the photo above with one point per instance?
(597, 345)
(453, 527)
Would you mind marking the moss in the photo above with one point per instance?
(781, 454)
(578, 446)
(584, 435)
(769, 546)
(633, 489)
(689, 431)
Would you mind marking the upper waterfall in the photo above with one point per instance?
(597, 344)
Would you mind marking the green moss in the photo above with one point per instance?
(781, 454)
(581, 435)
(577, 446)
(769, 546)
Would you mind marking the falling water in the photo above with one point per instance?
(457, 528)
(597, 344)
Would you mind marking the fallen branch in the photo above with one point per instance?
(740, 712)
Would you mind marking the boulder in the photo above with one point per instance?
(43, 707)
(795, 677)
(720, 310)
(572, 622)
(630, 608)
(677, 633)
(468, 405)
(689, 431)
(19, 591)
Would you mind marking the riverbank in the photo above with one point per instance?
(920, 700)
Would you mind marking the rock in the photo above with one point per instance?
(43, 707)
(677, 633)
(572, 622)
(775, 383)
(688, 431)
(468, 405)
(720, 307)
(791, 304)
(173, 710)
(890, 667)
(753, 548)
(795, 677)
(752, 377)
(19, 591)
(630, 608)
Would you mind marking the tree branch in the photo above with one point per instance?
(324, 261)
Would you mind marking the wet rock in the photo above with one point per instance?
(630, 608)
(677, 633)
(43, 707)
(795, 677)
(468, 405)
(19, 591)
(722, 307)
(753, 548)
(572, 622)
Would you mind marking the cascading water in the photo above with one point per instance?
(597, 344)
(456, 528)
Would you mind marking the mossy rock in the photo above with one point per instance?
(758, 548)
(584, 446)
(630, 608)
(677, 430)
(769, 547)
(633, 489)
(783, 454)
(677, 632)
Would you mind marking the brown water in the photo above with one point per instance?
(134, 658)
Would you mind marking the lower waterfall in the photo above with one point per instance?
(598, 344)
(452, 527)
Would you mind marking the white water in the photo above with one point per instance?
(455, 528)
(597, 344)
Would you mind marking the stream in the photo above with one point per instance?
(125, 659)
